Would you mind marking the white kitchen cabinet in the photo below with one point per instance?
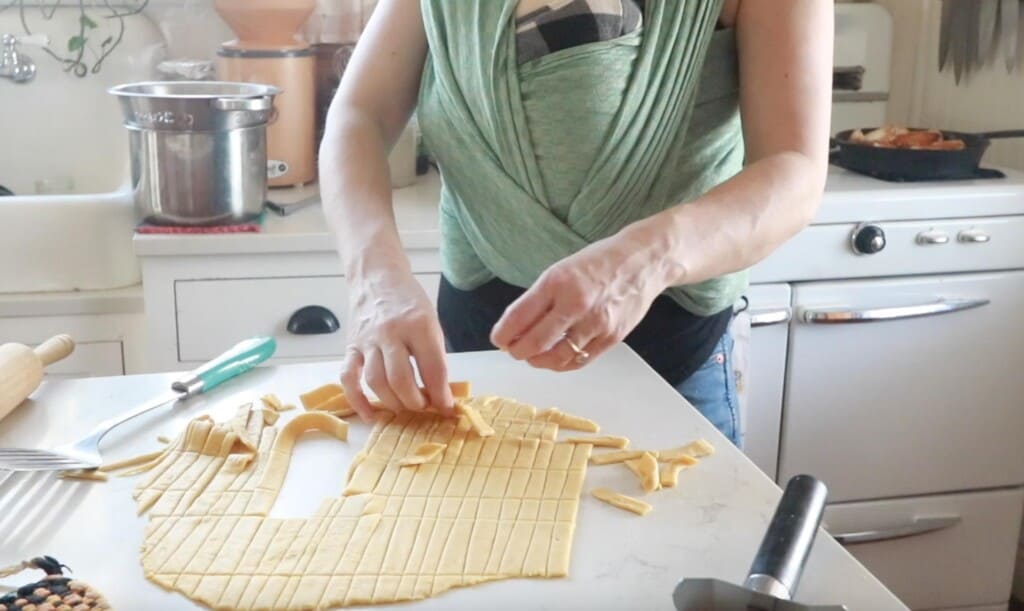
(902, 403)
(936, 551)
(212, 315)
(761, 363)
(107, 327)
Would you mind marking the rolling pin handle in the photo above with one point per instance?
(55, 349)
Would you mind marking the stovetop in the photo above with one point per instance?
(853, 198)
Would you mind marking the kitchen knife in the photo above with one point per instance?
(972, 10)
(988, 30)
(778, 564)
(946, 32)
(1020, 33)
(1009, 17)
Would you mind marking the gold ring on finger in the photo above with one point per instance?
(582, 356)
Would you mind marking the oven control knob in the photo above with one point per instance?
(867, 239)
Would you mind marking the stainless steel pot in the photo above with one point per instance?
(198, 149)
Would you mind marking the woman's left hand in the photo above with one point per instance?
(594, 298)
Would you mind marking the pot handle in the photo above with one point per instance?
(1006, 133)
(249, 104)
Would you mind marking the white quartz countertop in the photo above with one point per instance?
(849, 198)
(709, 526)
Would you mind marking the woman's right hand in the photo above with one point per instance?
(390, 320)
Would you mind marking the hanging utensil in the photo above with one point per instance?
(946, 32)
(1009, 19)
(1020, 33)
(958, 38)
(972, 15)
(988, 32)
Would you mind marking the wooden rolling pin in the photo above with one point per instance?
(21, 368)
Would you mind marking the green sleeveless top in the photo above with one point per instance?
(540, 159)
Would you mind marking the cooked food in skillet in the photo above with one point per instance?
(893, 136)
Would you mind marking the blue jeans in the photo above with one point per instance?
(712, 390)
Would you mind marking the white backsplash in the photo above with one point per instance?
(67, 129)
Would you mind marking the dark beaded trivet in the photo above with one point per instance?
(55, 592)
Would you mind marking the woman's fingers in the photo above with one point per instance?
(428, 350)
(376, 375)
(543, 335)
(561, 356)
(351, 377)
(401, 378)
(520, 316)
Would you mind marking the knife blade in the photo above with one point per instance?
(1020, 33)
(945, 32)
(958, 36)
(970, 26)
(1009, 18)
(988, 33)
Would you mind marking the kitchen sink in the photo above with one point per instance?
(69, 223)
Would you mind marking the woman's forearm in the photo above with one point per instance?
(355, 186)
(736, 224)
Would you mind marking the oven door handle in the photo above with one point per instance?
(765, 318)
(916, 526)
(843, 316)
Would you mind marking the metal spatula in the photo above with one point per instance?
(776, 569)
(85, 453)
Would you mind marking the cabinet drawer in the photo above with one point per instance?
(213, 315)
(920, 395)
(90, 359)
(936, 552)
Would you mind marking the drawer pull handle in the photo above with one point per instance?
(916, 526)
(972, 236)
(764, 318)
(931, 238)
(313, 320)
(943, 306)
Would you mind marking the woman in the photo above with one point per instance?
(599, 185)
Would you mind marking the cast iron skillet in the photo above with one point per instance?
(915, 164)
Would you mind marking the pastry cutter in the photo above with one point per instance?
(85, 453)
(775, 572)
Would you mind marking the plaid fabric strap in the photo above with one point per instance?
(562, 24)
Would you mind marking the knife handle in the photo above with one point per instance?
(242, 357)
(780, 559)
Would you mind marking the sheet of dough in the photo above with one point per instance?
(482, 509)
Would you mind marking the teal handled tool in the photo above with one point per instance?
(85, 453)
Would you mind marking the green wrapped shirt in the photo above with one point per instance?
(540, 159)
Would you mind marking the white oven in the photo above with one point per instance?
(902, 389)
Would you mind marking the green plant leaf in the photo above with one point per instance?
(86, 22)
(75, 43)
